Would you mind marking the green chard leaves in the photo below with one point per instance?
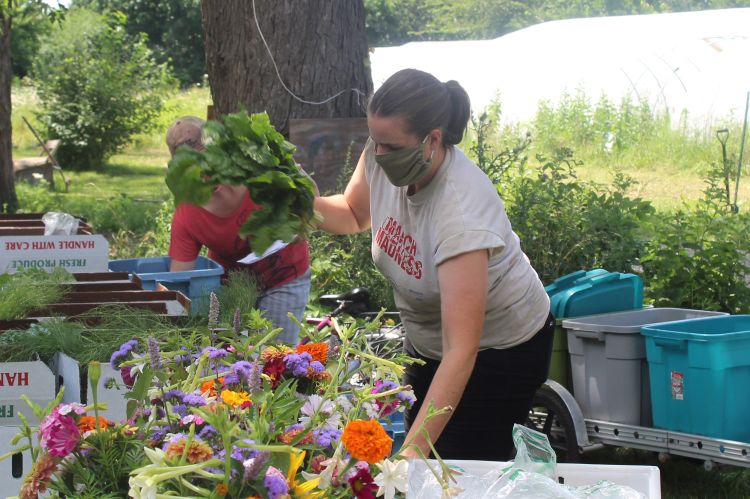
(247, 150)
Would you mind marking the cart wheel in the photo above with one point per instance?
(709, 465)
(550, 416)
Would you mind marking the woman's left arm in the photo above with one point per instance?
(463, 296)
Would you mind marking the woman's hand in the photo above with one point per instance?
(409, 452)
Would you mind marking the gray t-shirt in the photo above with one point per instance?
(458, 211)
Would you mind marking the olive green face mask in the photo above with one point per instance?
(405, 166)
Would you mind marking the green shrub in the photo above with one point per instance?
(564, 223)
(98, 87)
(698, 257)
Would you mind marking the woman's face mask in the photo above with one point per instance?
(405, 166)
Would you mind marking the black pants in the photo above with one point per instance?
(498, 394)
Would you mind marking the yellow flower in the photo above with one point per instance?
(235, 399)
(302, 490)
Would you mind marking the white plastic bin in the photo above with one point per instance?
(644, 479)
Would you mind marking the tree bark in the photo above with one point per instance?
(8, 199)
(320, 48)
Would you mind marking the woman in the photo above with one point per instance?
(473, 307)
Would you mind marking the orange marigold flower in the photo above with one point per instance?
(289, 436)
(208, 388)
(197, 453)
(222, 489)
(367, 440)
(88, 423)
(272, 352)
(318, 351)
(321, 376)
(236, 399)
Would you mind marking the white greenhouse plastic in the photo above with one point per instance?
(694, 61)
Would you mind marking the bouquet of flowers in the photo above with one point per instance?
(228, 413)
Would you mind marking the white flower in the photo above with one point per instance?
(371, 409)
(142, 487)
(330, 466)
(156, 456)
(392, 477)
(344, 404)
(66, 409)
(316, 404)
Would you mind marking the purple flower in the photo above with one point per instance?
(208, 432)
(317, 367)
(407, 398)
(215, 353)
(253, 378)
(254, 465)
(174, 395)
(384, 386)
(242, 367)
(193, 400)
(298, 363)
(231, 379)
(154, 353)
(326, 437)
(242, 454)
(213, 310)
(275, 483)
(183, 359)
(123, 351)
(158, 432)
(180, 410)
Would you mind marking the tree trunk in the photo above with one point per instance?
(8, 199)
(320, 48)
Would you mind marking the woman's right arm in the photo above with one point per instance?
(347, 213)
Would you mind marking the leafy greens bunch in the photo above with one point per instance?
(247, 150)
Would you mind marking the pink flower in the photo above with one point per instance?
(59, 433)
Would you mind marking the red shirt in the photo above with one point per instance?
(194, 227)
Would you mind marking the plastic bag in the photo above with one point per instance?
(59, 224)
(531, 475)
(533, 452)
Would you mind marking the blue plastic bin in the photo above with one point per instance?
(598, 294)
(569, 280)
(700, 374)
(196, 284)
(395, 429)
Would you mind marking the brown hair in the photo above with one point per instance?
(425, 103)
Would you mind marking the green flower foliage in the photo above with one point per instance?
(247, 150)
